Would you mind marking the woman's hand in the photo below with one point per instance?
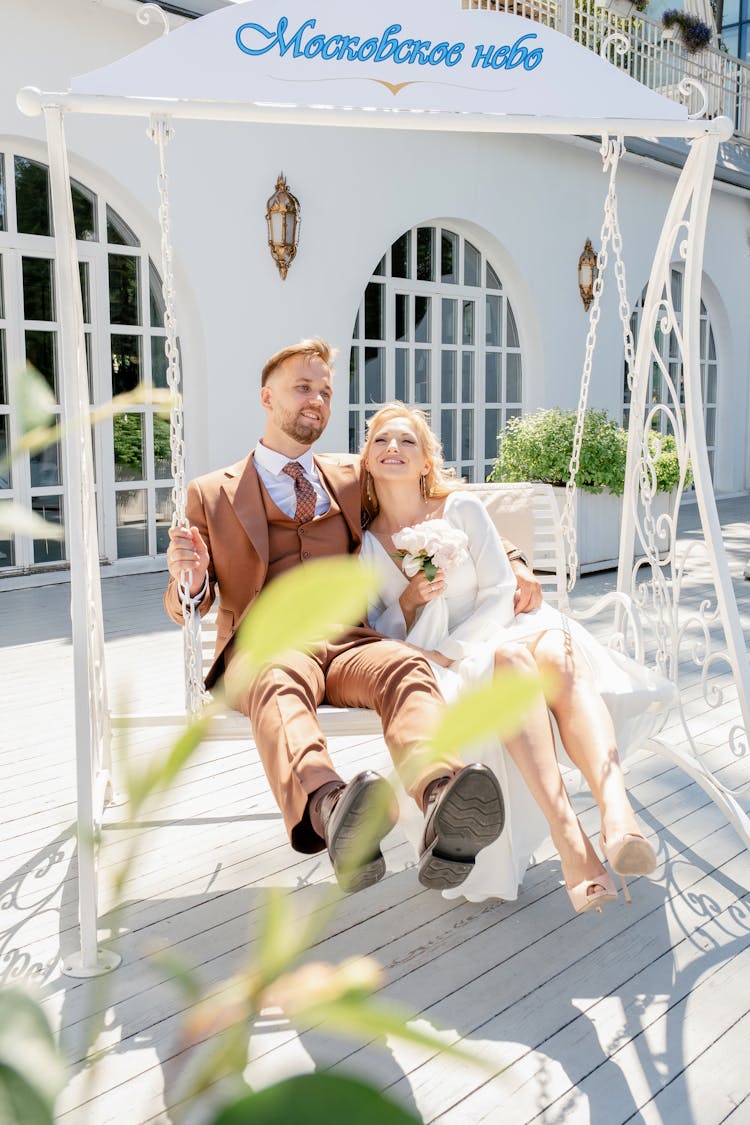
(433, 655)
(420, 591)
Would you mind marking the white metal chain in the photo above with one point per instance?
(160, 131)
(611, 151)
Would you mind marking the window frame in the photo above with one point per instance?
(706, 337)
(438, 291)
(99, 330)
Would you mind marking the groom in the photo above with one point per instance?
(254, 520)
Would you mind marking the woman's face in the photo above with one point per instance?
(395, 452)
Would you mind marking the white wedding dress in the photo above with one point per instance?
(467, 624)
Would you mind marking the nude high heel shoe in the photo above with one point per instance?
(581, 900)
(629, 854)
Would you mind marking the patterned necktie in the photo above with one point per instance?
(303, 490)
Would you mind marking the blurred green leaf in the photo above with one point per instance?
(31, 1069)
(302, 608)
(181, 973)
(22, 521)
(495, 709)
(38, 437)
(20, 1103)
(363, 1018)
(140, 395)
(318, 982)
(35, 402)
(316, 1099)
(161, 772)
(283, 938)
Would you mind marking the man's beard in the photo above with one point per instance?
(302, 430)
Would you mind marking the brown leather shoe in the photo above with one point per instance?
(461, 818)
(365, 811)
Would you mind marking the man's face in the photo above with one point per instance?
(297, 399)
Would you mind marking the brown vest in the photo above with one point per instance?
(290, 543)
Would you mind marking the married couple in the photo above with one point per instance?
(474, 825)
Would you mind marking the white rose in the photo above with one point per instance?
(407, 539)
(411, 564)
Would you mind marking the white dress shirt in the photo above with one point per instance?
(280, 486)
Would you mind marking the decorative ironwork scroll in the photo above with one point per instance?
(684, 593)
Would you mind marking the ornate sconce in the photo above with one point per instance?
(283, 218)
(587, 271)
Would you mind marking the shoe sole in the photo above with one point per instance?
(349, 833)
(635, 857)
(470, 818)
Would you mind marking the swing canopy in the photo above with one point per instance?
(428, 65)
(352, 63)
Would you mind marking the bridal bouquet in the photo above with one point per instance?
(430, 546)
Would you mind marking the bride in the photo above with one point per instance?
(464, 621)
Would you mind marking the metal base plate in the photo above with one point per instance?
(106, 961)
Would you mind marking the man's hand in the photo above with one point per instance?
(528, 594)
(187, 552)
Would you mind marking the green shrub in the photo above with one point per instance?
(539, 446)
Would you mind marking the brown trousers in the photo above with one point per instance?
(361, 670)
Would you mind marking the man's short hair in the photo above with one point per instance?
(314, 347)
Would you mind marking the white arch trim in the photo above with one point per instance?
(353, 63)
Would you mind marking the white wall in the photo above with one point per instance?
(530, 202)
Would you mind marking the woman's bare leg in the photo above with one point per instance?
(586, 729)
(533, 751)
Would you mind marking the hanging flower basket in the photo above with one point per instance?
(622, 8)
(691, 32)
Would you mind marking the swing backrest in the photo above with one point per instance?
(527, 514)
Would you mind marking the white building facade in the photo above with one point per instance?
(442, 266)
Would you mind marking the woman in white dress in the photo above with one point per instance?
(464, 620)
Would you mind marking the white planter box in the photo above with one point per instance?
(598, 520)
(622, 8)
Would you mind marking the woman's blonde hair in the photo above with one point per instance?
(438, 481)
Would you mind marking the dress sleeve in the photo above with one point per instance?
(384, 613)
(387, 619)
(496, 583)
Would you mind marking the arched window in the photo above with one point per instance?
(436, 330)
(666, 344)
(124, 336)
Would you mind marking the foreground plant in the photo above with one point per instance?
(32, 1071)
(299, 610)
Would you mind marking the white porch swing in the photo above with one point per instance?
(204, 71)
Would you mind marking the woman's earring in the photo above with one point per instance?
(368, 488)
(423, 486)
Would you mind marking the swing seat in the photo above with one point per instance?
(528, 515)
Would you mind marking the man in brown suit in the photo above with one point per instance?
(252, 521)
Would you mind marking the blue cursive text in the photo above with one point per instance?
(254, 39)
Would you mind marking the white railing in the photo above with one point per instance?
(653, 58)
(543, 11)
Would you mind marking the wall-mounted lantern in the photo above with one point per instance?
(283, 218)
(587, 271)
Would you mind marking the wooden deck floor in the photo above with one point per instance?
(640, 1014)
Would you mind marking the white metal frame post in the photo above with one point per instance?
(92, 731)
